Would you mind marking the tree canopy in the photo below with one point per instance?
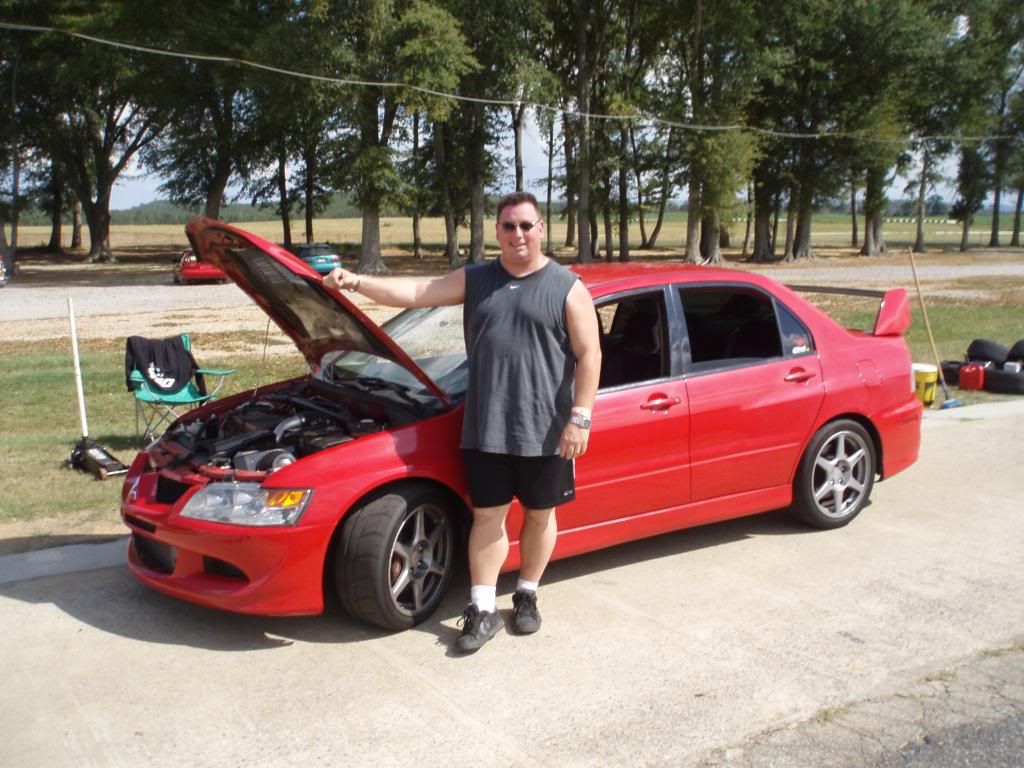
(410, 104)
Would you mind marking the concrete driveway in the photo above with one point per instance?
(696, 647)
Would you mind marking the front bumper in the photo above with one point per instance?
(266, 571)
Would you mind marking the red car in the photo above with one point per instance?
(722, 394)
(189, 269)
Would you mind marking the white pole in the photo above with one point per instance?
(78, 369)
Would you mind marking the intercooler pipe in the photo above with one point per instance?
(288, 424)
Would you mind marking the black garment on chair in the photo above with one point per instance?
(167, 364)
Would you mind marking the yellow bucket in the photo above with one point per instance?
(926, 378)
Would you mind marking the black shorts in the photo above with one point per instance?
(539, 482)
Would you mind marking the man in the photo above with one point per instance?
(534, 355)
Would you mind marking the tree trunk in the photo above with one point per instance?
(76, 224)
(56, 212)
(693, 218)
(666, 192)
(750, 220)
(10, 254)
(570, 181)
(805, 215)
(518, 112)
(724, 236)
(218, 183)
(763, 201)
(309, 159)
(606, 214)
(476, 219)
(1015, 237)
(370, 261)
(639, 188)
(966, 232)
(624, 194)
(922, 190)
(583, 77)
(874, 209)
(854, 237)
(776, 212)
(595, 251)
(97, 214)
(997, 194)
(878, 230)
(417, 240)
(787, 252)
(711, 238)
(451, 231)
(282, 194)
(547, 200)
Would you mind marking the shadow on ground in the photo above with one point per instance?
(112, 601)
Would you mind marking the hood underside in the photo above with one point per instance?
(317, 320)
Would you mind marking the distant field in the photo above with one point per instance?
(830, 231)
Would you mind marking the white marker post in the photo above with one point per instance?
(78, 369)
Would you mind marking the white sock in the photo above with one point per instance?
(482, 596)
(526, 586)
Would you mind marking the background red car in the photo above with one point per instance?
(189, 269)
(722, 394)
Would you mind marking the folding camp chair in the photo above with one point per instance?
(163, 376)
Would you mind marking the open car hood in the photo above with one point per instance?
(317, 319)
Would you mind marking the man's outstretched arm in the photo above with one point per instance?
(402, 291)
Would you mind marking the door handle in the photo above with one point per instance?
(660, 403)
(799, 375)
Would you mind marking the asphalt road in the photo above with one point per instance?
(753, 642)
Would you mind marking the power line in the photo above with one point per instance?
(636, 117)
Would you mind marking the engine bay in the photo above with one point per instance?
(275, 428)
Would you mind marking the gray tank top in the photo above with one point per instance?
(521, 365)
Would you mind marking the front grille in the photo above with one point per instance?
(138, 523)
(155, 555)
(216, 567)
(169, 491)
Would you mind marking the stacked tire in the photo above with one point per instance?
(1003, 366)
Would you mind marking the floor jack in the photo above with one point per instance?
(88, 455)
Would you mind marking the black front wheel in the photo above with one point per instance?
(836, 475)
(396, 555)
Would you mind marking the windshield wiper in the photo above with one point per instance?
(373, 383)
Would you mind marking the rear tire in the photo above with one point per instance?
(396, 556)
(836, 475)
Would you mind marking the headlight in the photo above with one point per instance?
(247, 504)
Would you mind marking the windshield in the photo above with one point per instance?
(431, 336)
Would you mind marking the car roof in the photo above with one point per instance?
(602, 279)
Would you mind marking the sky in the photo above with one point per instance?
(136, 187)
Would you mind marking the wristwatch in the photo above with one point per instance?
(580, 421)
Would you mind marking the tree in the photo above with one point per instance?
(94, 99)
(713, 64)
(388, 41)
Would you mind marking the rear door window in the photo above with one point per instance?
(731, 326)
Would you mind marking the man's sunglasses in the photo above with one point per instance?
(526, 226)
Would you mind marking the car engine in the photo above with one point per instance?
(274, 429)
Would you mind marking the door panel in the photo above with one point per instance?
(638, 456)
(748, 424)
